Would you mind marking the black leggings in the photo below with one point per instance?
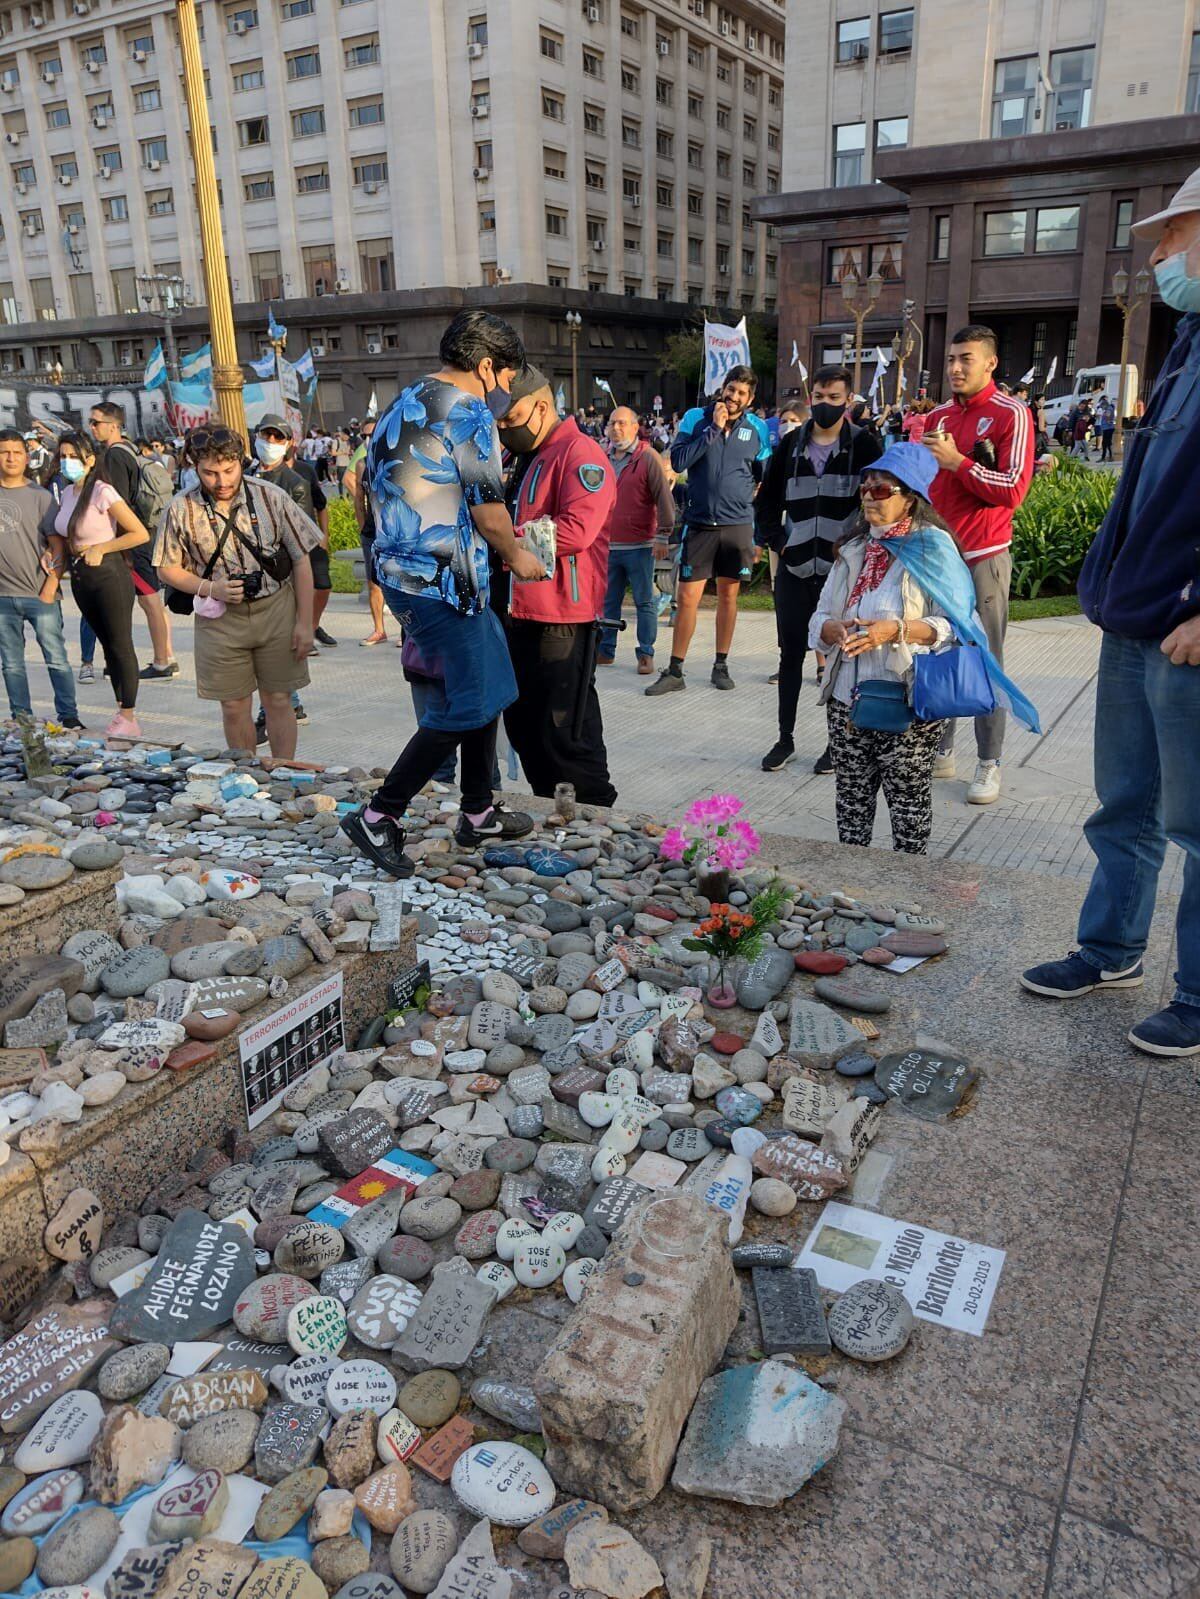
(104, 595)
(423, 755)
(795, 601)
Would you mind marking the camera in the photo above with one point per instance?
(251, 585)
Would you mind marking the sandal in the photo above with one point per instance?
(371, 640)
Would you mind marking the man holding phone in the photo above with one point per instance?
(982, 441)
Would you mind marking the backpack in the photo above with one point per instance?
(154, 490)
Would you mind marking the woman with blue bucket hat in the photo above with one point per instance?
(905, 650)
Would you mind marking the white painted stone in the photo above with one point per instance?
(503, 1482)
(607, 1163)
(564, 1228)
(498, 1278)
(63, 1434)
(539, 1262)
(510, 1236)
(577, 1276)
(598, 1109)
(360, 1385)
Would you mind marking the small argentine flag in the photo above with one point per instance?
(264, 367)
(156, 368)
(305, 370)
(197, 365)
(603, 383)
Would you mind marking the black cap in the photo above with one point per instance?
(274, 422)
(531, 381)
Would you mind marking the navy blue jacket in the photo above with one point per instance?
(1141, 578)
(722, 468)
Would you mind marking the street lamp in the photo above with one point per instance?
(908, 336)
(860, 309)
(228, 380)
(164, 297)
(574, 322)
(1127, 307)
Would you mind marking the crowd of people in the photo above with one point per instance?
(502, 537)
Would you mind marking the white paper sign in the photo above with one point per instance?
(285, 1047)
(946, 1280)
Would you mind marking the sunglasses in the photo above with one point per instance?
(876, 490)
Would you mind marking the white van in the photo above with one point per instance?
(1090, 383)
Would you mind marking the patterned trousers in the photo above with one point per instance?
(899, 763)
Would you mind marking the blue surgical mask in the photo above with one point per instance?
(1178, 288)
(72, 468)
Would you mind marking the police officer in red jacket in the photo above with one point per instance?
(555, 725)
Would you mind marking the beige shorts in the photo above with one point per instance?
(249, 648)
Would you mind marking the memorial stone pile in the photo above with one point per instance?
(301, 1333)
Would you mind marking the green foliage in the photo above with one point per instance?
(342, 578)
(1054, 527)
(343, 529)
(684, 353)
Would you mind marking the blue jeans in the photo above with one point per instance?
(87, 641)
(427, 695)
(46, 621)
(1147, 761)
(633, 566)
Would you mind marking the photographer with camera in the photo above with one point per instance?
(235, 551)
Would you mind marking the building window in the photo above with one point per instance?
(481, 101)
(748, 263)
(1056, 228)
(722, 209)
(593, 120)
(147, 99)
(320, 268)
(154, 150)
(477, 32)
(366, 114)
(695, 157)
(772, 138)
(297, 8)
(695, 56)
(895, 32)
(554, 163)
(749, 173)
(553, 106)
(312, 180)
(845, 260)
(695, 254)
(723, 118)
(1004, 232)
(941, 238)
(487, 217)
(630, 79)
(306, 124)
(94, 53)
(723, 259)
(551, 45)
(373, 170)
(664, 144)
(1038, 353)
(593, 65)
(666, 245)
(631, 187)
(631, 135)
(631, 27)
(664, 91)
(854, 40)
(1013, 97)
(260, 187)
(724, 164)
(595, 177)
(109, 160)
(140, 44)
(888, 261)
(891, 133)
(67, 168)
(254, 130)
(749, 128)
(303, 64)
(240, 19)
(58, 116)
(556, 223)
(250, 76)
(160, 203)
(695, 203)
(595, 232)
(1072, 338)
(484, 156)
(1122, 234)
(664, 195)
(1192, 102)
(266, 274)
(772, 266)
(25, 174)
(1071, 82)
(849, 146)
(633, 240)
(116, 208)
(696, 106)
(362, 53)
(750, 83)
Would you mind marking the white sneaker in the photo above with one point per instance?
(985, 787)
(943, 766)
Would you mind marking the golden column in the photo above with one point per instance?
(227, 373)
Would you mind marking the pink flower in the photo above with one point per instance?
(674, 843)
(748, 836)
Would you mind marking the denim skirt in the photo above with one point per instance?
(472, 654)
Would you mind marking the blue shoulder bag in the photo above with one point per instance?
(952, 683)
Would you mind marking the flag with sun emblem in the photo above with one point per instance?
(396, 1169)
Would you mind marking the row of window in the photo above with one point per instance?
(728, 25)
(298, 64)
(554, 165)
(37, 13)
(558, 227)
(553, 48)
(554, 109)
(1018, 84)
(894, 36)
(850, 147)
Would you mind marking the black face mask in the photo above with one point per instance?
(827, 415)
(523, 439)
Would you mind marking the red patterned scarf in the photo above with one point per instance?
(876, 562)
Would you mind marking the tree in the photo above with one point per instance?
(684, 353)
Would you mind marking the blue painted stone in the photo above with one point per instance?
(856, 1065)
(504, 857)
(739, 1107)
(546, 862)
(868, 1088)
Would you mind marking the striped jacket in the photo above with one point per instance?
(978, 500)
(800, 515)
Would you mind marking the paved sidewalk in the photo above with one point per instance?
(665, 751)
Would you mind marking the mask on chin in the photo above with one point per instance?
(1178, 288)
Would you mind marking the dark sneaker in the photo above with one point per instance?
(779, 755)
(152, 673)
(498, 823)
(720, 676)
(381, 842)
(260, 728)
(73, 724)
(301, 713)
(823, 765)
(1074, 976)
(322, 637)
(667, 683)
(774, 678)
(1174, 1031)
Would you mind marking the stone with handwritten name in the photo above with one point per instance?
(51, 1355)
(200, 1272)
(73, 1232)
(871, 1321)
(208, 1393)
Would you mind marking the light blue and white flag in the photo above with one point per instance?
(264, 367)
(305, 370)
(156, 368)
(197, 365)
(560, 399)
(606, 388)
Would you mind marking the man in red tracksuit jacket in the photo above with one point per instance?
(983, 441)
(555, 724)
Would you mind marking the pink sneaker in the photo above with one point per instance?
(123, 726)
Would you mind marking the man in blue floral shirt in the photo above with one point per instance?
(433, 475)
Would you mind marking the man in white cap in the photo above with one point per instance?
(1141, 584)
